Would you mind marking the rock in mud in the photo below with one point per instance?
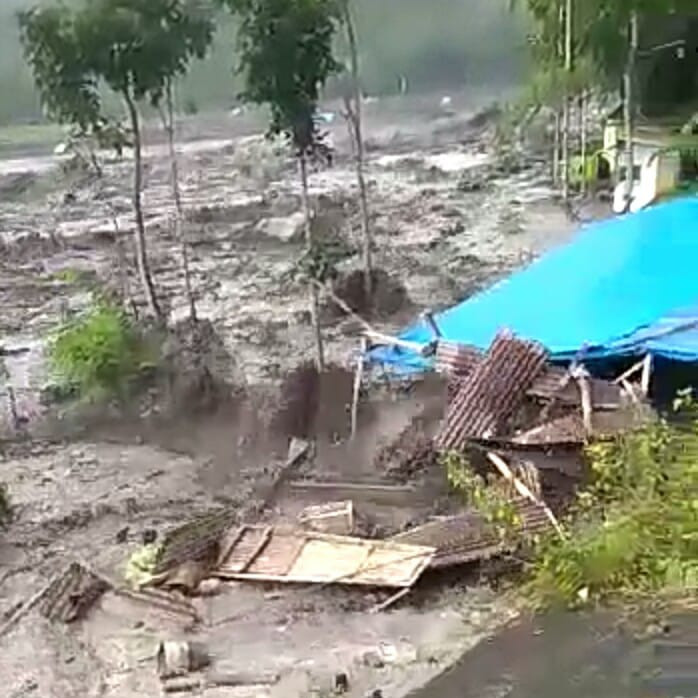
(289, 229)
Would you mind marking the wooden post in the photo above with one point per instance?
(646, 376)
(358, 377)
(523, 490)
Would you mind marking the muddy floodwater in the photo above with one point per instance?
(447, 222)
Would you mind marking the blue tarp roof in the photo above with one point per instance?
(616, 289)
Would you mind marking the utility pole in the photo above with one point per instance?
(567, 106)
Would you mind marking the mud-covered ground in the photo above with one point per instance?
(93, 498)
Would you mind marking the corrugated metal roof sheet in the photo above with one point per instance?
(466, 537)
(459, 361)
(492, 392)
(193, 540)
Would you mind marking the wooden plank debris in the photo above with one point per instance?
(294, 556)
(334, 517)
(72, 594)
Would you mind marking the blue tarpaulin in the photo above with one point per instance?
(623, 286)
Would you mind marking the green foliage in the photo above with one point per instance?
(320, 260)
(99, 352)
(285, 49)
(634, 530)
(492, 499)
(141, 565)
(134, 47)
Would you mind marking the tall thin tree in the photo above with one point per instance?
(286, 57)
(354, 115)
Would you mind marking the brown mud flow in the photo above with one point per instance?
(215, 434)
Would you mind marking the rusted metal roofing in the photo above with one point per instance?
(465, 537)
(195, 540)
(458, 361)
(258, 553)
(71, 594)
(489, 396)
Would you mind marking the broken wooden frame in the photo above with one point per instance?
(275, 554)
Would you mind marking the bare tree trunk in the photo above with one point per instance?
(556, 150)
(141, 248)
(583, 102)
(567, 106)
(629, 108)
(168, 124)
(356, 124)
(314, 302)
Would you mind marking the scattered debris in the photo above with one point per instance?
(72, 594)
(292, 556)
(178, 658)
(466, 538)
(196, 540)
(214, 680)
(336, 518)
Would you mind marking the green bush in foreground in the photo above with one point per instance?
(98, 352)
(634, 529)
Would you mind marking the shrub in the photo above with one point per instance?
(634, 530)
(99, 351)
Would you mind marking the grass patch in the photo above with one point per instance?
(99, 353)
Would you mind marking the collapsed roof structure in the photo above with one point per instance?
(623, 287)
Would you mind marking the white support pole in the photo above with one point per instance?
(646, 375)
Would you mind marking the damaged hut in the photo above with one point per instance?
(568, 349)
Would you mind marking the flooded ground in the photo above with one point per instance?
(95, 496)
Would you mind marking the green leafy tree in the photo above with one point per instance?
(607, 36)
(136, 48)
(285, 58)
